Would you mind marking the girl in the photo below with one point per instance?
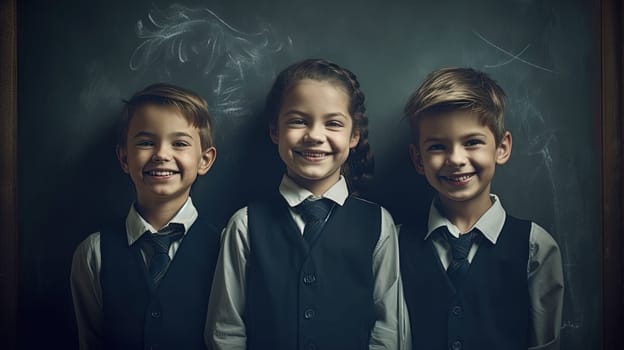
(311, 267)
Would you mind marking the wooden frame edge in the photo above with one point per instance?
(9, 236)
(611, 132)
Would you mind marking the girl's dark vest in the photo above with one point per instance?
(319, 297)
(490, 310)
(138, 315)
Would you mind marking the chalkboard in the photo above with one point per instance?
(79, 60)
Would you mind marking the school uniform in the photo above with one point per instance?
(511, 296)
(273, 289)
(119, 305)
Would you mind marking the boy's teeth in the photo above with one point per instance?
(160, 173)
(459, 178)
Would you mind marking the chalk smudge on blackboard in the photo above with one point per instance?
(542, 143)
(198, 40)
(512, 57)
(101, 93)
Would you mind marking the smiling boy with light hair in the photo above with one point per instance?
(473, 276)
(144, 282)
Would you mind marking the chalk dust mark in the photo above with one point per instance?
(181, 38)
(514, 57)
(542, 143)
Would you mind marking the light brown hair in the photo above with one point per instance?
(192, 107)
(458, 89)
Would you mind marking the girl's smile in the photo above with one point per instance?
(314, 133)
(313, 156)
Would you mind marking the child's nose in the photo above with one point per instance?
(456, 158)
(315, 134)
(161, 154)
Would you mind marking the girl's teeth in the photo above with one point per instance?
(313, 155)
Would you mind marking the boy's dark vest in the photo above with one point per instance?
(172, 316)
(491, 309)
(311, 298)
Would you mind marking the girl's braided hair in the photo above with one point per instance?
(360, 165)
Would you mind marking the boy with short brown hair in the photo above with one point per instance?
(145, 282)
(474, 277)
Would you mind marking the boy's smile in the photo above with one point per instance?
(163, 154)
(314, 133)
(458, 154)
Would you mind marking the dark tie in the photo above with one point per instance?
(314, 214)
(160, 243)
(459, 249)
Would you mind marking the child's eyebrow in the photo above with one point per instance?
(467, 136)
(306, 115)
(173, 134)
(474, 134)
(144, 134)
(335, 114)
(181, 134)
(296, 111)
(433, 139)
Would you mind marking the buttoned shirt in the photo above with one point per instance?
(85, 272)
(544, 273)
(225, 328)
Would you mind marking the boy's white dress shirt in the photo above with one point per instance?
(85, 272)
(544, 273)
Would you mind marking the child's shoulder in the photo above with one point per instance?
(205, 223)
(536, 232)
(541, 239)
(365, 202)
(239, 218)
(87, 251)
(387, 220)
(541, 243)
(92, 241)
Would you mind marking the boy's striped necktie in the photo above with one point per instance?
(460, 247)
(159, 243)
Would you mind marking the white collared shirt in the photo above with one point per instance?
(544, 273)
(295, 195)
(85, 272)
(225, 327)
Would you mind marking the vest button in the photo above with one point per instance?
(309, 279)
(311, 346)
(155, 314)
(457, 345)
(308, 314)
(457, 310)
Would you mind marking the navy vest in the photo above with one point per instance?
(311, 297)
(137, 315)
(491, 309)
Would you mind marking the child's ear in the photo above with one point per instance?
(122, 156)
(416, 158)
(274, 133)
(355, 138)
(208, 157)
(503, 150)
